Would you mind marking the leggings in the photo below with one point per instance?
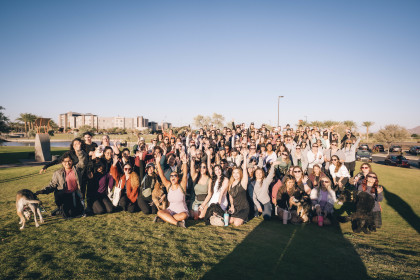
(102, 205)
(144, 205)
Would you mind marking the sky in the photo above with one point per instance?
(172, 60)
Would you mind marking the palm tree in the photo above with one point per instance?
(350, 124)
(367, 125)
(27, 119)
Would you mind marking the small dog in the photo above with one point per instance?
(157, 194)
(304, 206)
(26, 199)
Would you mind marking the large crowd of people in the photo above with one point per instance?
(228, 175)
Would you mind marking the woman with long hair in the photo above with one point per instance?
(177, 212)
(365, 169)
(371, 185)
(349, 151)
(302, 182)
(283, 164)
(259, 193)
(201, 188)
(239, 206)
(129, 183)
(316, 175)
(339, 173)
(323, 198)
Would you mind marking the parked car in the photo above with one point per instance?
(414, 150)
(378, 148)
(395, 148)
(364, 155)
(397, 161)
(364, 147)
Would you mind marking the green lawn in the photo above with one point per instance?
(14, 154)
(123, 245)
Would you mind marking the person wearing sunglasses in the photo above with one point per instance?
(201, 192)
(129, 183)
(365, 168)
(333, 150)
(323, 198)
(339, 173)
(315, 156)
(299, 158)
(237, 189)
(177, 212)
(349, 151)
(302, 182)
(283, 164)
(371, 185)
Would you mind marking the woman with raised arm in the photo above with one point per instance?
(202, 188)
(177, 212)
(239, 206)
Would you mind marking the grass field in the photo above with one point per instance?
(14, 154)
(130, 246)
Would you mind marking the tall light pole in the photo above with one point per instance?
(278, 110)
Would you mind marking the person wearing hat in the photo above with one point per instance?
(148, 179)
(140, 143)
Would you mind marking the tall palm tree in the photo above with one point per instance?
(27, 119)
(350, 124)
(367, 125)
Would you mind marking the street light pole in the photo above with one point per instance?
(278, 110)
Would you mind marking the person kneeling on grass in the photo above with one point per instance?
(65, 184)
(323, 199)
(129, 183)
(177, 212)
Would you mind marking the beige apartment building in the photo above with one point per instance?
(76, 120)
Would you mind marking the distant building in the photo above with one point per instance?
(76, 120)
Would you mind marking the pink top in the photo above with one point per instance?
(176, 200)
(71, 181)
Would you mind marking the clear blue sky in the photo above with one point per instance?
(172, 60)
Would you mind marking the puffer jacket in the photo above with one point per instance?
(58, 181)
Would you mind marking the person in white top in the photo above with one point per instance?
(314, 156)
(339, 173)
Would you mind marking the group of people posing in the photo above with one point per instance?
(242, 171)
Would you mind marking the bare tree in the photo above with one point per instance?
(391, 133)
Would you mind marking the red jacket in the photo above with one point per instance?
(132, 183)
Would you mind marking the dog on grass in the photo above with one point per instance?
(27, 201)
(362, 219)
(304, 206)
(157, 195)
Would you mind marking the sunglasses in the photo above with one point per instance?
(174, 175)
(127, 169)
(284, 154)
(315, 146)
(297, 171)
(325, 181)
(374, 177)
(365, 167)
(334, 160)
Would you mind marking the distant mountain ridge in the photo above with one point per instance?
(415, 130)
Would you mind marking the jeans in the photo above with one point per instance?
(267, 208)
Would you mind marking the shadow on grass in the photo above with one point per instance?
(403, 209)
(276, 251)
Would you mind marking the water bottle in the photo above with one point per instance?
(226, 218)
(320, 220)
(285, 217)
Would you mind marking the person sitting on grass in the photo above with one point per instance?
(129, 183)
(177, 212)
(323, 199)
(101, 182)
(238, 184)
(65, 184)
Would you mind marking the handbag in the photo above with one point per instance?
(116, 194)
(217, 220)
